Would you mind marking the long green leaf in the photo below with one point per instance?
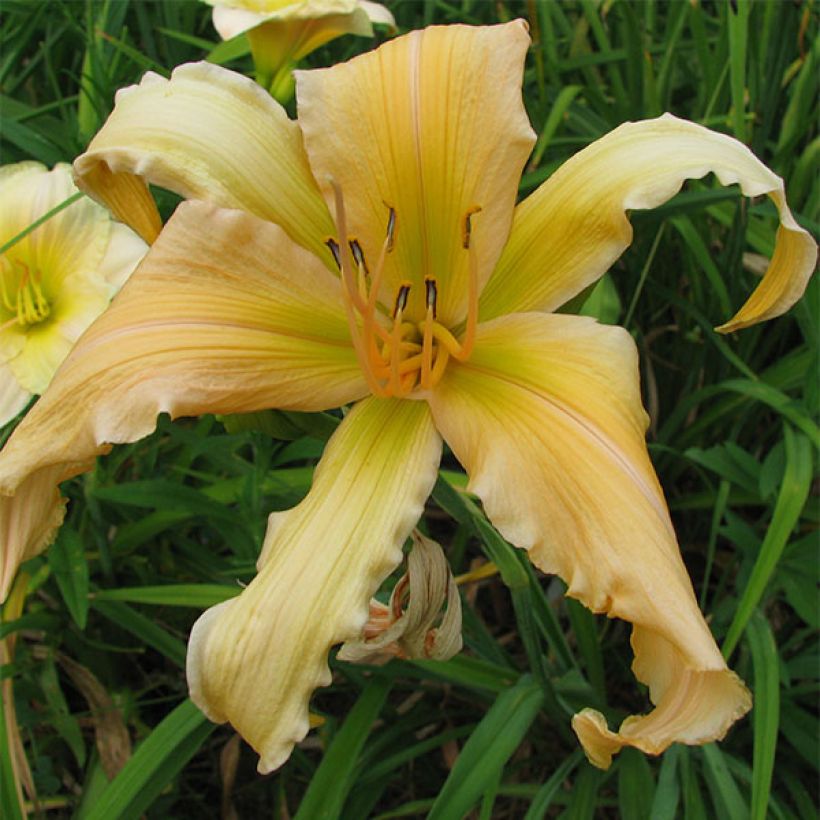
(333, 779)
(154, 765)
(766, 712)
(496, 737)
(790, 500)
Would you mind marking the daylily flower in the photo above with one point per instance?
(282, 32)
(373, 252)
(56, 280)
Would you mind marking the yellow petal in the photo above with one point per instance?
(210, 134)
(568, 233)
(255, 660)
(546, 418)
(431, 125)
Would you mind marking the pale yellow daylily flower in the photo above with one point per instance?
(399, 273)
(282, 32)
(56, 280)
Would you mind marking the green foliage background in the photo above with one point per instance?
(165, 527)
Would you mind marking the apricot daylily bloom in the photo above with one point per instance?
(373, 252)
(56, 280)
(282, 32)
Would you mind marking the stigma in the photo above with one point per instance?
(399, 355)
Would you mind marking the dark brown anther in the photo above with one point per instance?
(358, 255)
(431, 293)
(333, 245)
(467, 228)
(391, 228)
(401, 299)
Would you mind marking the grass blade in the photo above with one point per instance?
(160, 758)
(495, 738)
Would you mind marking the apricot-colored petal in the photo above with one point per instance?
(546, 417)
(568, 233)
(255, 660)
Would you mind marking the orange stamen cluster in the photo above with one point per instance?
(398, 356)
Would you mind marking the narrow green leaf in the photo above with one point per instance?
(544, 798)
(495, 738)
(726, 796)
(333, 780)
(144, 628)
(199, 596)
(667, 794)
(766, 710)
(738, 36)
(69, 566)
(636, 786)
(59, 714)
(790, 500)
(155, 764)
(9, 804)
(584, 799)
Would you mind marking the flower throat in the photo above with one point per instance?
(23, 298)
(403, 356)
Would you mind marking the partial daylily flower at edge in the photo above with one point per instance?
(55, 280)
(435, 317)
(282, 32)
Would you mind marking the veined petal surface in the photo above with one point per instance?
(211, 134)
(255, 660)
(433, 126)
(547, 420)
(569, 231)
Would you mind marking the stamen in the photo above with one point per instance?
(391, 227)
(334, 249)
(466, 347)
(467, 228)
(358, 254)
(401, 301)
(430, 293)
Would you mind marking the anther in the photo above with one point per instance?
(391, 227)
(333, 245)
(467, 227)
(358, 255)
(401, 299)
(430, 293)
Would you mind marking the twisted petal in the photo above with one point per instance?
(568, 233)
(225, 315)
(546, 417)
(432, 125)
(210, 134)
(255, 660)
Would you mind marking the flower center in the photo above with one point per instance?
(399, 356)
(22, 294)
